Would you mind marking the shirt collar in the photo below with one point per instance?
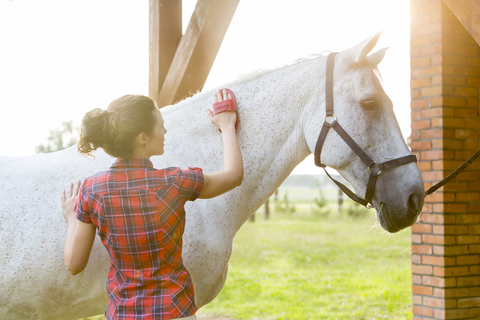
(132, 162)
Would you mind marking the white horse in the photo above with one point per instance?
(281, 114)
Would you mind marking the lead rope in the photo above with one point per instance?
(453, 174)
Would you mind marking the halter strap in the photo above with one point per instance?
(374, 168)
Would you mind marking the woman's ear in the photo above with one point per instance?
(142, 139)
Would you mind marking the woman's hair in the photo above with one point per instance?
(115, 129)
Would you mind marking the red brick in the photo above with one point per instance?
(422, 228)
(432, 133)
(456, 313)
(420, 124)
(431, 49)
(473, 292)
(415, 94)
(472, 144)
(474, 312)
(419, 83)
(424, 311)
(436, 101)
(465, 133)
(416, 299)
(421, 145)
(466, 239)
(417, 259)
(432, 176)
(467, 281)
(419, 269)
(435, 239)
(468, 218)
(416, 279)
(462, 112)
(450, 208)
(472, 102)
(432, 91)
(422, 249)
(419, 41)
(455, 250)
(454, 80)
(466, 50)
(471, 302)
(468, 260)
(465, 71)
(450, 271)
(424, 166)
(420, 62)
(438, 281)
(454, 102)
(450, 229)
(450, 292)
(474, 270)
(473, 124)
(466, 91)
(439, 303)
(439, 219)
(474, 229)
(473, 82)
(474, 248)
(420, 104)
(416, 238)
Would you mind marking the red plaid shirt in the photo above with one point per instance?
(140, 218)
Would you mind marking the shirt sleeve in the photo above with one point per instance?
(81, 207)
(190, 183)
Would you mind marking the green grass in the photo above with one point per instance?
(301, 266)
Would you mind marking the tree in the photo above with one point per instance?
(61, 138)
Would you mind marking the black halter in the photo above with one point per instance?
(374, 168)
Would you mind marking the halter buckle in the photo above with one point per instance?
(374, 169)
(334, 118)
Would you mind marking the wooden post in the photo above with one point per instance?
(165, 32)
(340, 201)
(197, 50)
(267, 210)
(468, 12)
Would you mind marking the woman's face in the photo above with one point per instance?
(157, 141)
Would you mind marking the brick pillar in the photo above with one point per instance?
(445, 81)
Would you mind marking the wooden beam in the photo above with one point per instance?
(468, 12)
(197, 50)
(165, 33)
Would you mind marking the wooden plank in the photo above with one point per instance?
(197, 50)
(165, 33)
(468, 12)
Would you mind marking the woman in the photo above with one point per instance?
(138, 211)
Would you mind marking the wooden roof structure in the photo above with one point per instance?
(468, 12)
(180, 63)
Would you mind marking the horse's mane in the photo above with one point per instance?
(198, 96)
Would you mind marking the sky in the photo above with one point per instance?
(62, 58)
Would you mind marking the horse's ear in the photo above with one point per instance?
(365, 47)
(358, 54)
(377, 57)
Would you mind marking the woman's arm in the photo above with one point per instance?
(231, 176)
(80, 235)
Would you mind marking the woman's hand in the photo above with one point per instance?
(68, 200)
(226, 119)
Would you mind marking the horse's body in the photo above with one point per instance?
(281, 114)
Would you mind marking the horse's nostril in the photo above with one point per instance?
(415, 204)
(413, 201)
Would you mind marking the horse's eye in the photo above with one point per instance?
(370, 104)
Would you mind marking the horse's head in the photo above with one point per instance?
(365, 112)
